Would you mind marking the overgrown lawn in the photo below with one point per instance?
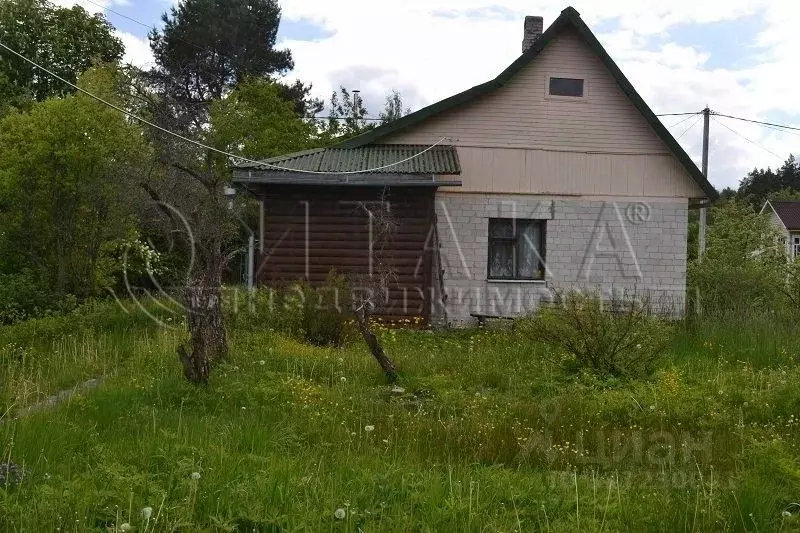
(489, 433)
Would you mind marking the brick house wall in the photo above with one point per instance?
(631, 247)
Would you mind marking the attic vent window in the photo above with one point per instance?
(566, 87)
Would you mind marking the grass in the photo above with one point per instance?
(489, 435)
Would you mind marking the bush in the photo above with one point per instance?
(744, 269)
(22, 296)
(316, 315)
(621, 338)
(325, 311)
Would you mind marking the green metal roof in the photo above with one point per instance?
(569, 18)
(408, 159)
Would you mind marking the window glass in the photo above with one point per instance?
(516, 249)
(566, 87)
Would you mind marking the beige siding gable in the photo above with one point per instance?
(522, 115)
(519, 139)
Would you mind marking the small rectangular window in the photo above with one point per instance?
(566, 87)
(516, 249)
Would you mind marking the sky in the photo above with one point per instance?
(736, 56)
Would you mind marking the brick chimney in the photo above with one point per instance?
(534, 26)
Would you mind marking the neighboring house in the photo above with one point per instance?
(555, 175)
(785, 216)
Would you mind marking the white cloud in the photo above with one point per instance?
(379, 45)
(137, 49)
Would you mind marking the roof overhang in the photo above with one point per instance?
(268, 177)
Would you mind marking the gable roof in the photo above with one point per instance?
(569, 18)
(788, 211)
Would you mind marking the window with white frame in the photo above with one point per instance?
(796, 247)
(516, 249)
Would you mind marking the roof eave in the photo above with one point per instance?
(269, 177)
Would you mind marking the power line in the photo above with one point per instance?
(757, 121)
(745, 138)
(678, 114)
(692, 125)
(104, 8)
(205, 146)
(684, 120)
(343, 118)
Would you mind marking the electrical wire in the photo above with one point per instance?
(692, 125)
(681, 121)
(718, 121)
(205, 146)
(677, 114)
(793, 128)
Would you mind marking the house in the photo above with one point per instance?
(555, 175)
(785, 216)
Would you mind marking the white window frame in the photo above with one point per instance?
(795, 246)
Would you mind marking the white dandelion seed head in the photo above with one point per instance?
(147, 512)
(342, 379)
(195, 475)
(786, 514)
(125, 527)
(340, 514)
(368, 429)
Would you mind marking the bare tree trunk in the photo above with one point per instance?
(375, 347)
(208, 342)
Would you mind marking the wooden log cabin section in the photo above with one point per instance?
(310, 231)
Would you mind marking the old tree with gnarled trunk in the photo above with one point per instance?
(215, 86)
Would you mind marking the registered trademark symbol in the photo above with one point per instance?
(637, 213)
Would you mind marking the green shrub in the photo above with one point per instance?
(744, 269)
(325, 311)
(316, 315)
(22, 296)
(620, 338)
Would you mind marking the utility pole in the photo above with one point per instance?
(701, 237)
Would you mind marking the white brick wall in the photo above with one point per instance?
(631, 247)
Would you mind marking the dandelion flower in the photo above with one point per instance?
(262, 362)
(339, 514)
(786, 514)
(368, 429)
(195, 475)
(125, 527)
(342, 379)
(147, 512)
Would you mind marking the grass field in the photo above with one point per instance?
(488, 435)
